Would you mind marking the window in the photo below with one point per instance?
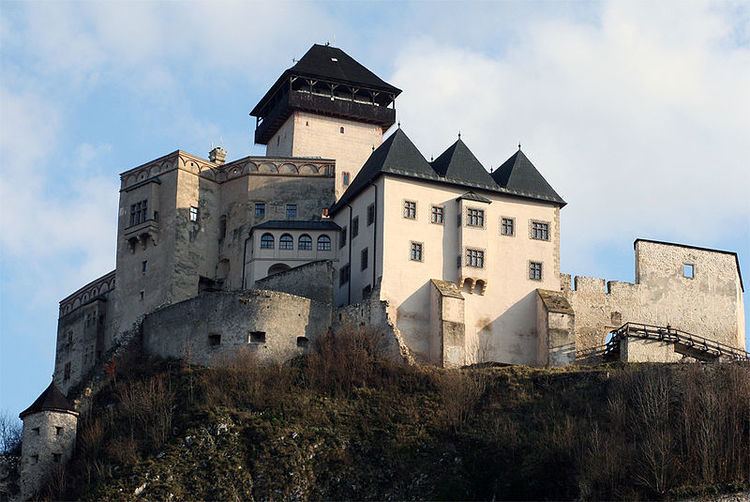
(286, 242)
(260, 209)
(507, 226)
(193, 213)
(302, 342)
(291, 211)
(324, 243)
(222, 227)
(142, 294)
(144, 266)
(58, 431)
(475, 217)
(415, 252)
(304, 243)
(342, 242)
(257, 337)
(535, 271)
(688, 270)
(437, 215)
(214, 339)
(364, 259)
(56, 457)
(366, 291)
(410, 210)
(355, 227)
(36, 431)
(138, 212)
(370, 214)
(345, 178)
(475, 258)
(266, 241)
(35, 459)
(539, 230)
(66, 372)
(344, 275)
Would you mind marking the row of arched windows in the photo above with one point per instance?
(286, 242)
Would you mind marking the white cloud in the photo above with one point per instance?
(644, 130)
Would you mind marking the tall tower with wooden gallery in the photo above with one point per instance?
(328, 106)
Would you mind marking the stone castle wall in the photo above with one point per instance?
(213, 326)
(313, 280)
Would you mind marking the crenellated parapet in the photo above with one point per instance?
(95, 289)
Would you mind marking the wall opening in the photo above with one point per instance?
(257, 337)
(302, 342)
(214, 340)
(688, 270)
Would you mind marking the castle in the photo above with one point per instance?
(456, 264)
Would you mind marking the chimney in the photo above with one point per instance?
(218, 155)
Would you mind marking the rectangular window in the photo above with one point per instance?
(410, 210)
(138, 212)
(507, 226)
(416, 251)
(540, 231)
(344, 275)
(370, 214)
(535, 271)
(66, 372)
(36, 431)
(345, 178)
(257, 337)
(56, 457)
(58, 431)
(342, 242)
(260, 209)
(437, 215)
(355, 227)
(144, 266)
(193, 213)
(688, 270)
(475, 217)
(475, 258)
(364, 258)
(214, 340)
(291, 211)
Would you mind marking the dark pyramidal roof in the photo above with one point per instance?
(456, 166)
(331, 63)
(458, 163)
(49, 400)
(519, 175)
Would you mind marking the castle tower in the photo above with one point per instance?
(49, 436)
(327, 105)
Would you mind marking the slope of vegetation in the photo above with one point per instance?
(341, 423)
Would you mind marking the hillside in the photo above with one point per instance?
(339, 423)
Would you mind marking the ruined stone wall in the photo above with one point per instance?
(707, 305)
(210, 328)
(313, 280)
(48, 441)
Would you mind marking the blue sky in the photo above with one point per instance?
(637, 113)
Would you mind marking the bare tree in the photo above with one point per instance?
(10, 434)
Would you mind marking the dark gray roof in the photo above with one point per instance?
(458, 163)
(396, 155)
(519, 175)
(331, 63)
(475, 197)
(49, 400)
(297, 225)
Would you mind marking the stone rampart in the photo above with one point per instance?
(313, 280)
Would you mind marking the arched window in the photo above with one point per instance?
(324, 243)
(305, 243)
(266, 241)
(341, 130)
(286, 242)
(278, 267)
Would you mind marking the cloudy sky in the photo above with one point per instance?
(637, 113)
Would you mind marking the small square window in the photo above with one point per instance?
(416, 251)
(410, 210)
(535, 271)
(370, 214)
(507, 226)
(688, 270)
(36, 431)
(257, 337)
(56, 457)
(58, 431)
(214, 340)
(193, 213)
(475, 217)
(437, 215)
(302, 342)
(291, 211)
(260, 209)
